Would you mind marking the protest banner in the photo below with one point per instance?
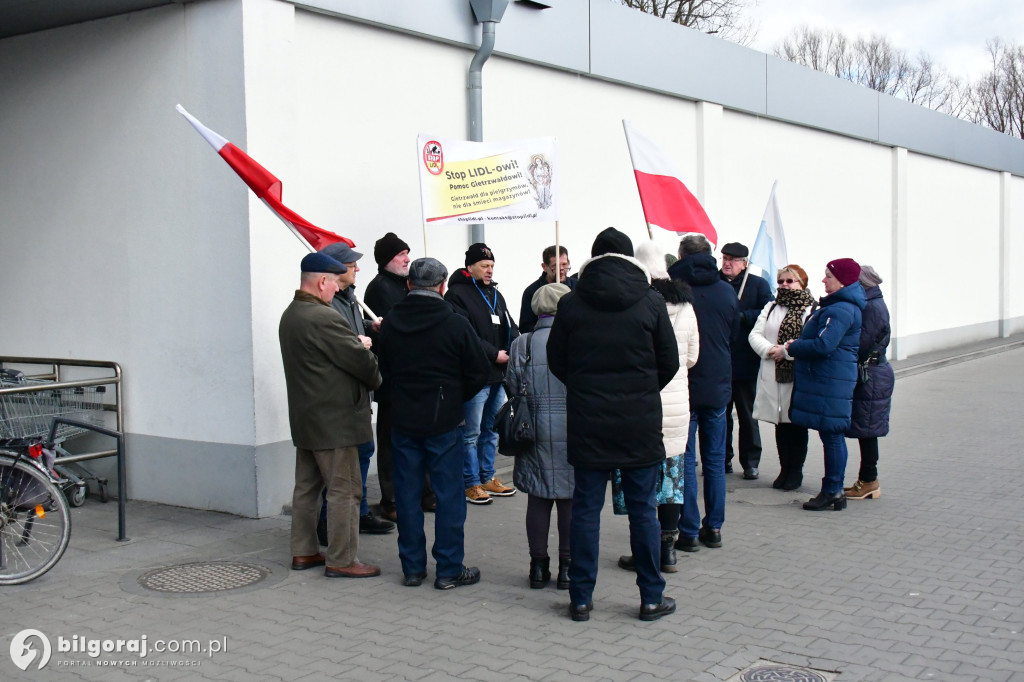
(487, 182)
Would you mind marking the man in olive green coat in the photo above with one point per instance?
(329, 374)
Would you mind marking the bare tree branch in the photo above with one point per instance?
(722, 18)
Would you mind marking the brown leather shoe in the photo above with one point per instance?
(301, 563)
(356, 570)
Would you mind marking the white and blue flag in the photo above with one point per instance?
(769, 252)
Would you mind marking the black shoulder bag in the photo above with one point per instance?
(513, 423)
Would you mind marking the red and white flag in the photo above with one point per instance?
(266, 187)
(666, 201)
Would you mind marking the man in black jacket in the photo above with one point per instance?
(473, 292)
(427, 389)
(745, 362)
(715, 305)
(551, 270)
(613, 346)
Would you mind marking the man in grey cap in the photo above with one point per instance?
(427, 389)
(329, 374)
(345, 302)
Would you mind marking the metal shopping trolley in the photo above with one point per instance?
(27, 417)
(35, 518)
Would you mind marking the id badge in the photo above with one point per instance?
(495, 319)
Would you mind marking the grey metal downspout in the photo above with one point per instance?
(474, 82)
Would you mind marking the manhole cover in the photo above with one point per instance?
(202, 577)
(780, 673)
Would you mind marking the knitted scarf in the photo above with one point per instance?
(795, 301)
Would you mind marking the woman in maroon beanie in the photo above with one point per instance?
(825, 371)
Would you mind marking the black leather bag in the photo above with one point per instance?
(516, 434)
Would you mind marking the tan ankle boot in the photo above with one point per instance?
(863, 491)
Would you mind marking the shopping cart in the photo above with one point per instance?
(35, 518)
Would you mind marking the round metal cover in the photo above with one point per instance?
(200, 577)
(781, 673)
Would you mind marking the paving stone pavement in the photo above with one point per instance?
(925, 583)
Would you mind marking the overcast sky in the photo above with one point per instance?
(953, 32)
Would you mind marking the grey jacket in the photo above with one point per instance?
(545, 471)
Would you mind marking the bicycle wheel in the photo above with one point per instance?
(35, 521)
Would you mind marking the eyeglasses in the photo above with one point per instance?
(787, 281)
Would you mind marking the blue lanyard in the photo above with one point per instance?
(493, 307)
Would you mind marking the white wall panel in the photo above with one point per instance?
(953, 220)
(834, 193)
(118, 240)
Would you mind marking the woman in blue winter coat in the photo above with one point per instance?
(543, 473)
(872, 399)
(825, 371)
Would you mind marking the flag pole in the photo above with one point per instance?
(746, 273)
(366, 308)
(424, 239)
(632, 161)
(558, 257)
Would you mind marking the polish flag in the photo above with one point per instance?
(266, 187)
(666, 201)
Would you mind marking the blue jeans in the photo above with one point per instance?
(365, 455)
(835, 462)
(441, 457)
(480, 438)
(709, 424)
(639, 489)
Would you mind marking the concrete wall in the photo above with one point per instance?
(126, 238)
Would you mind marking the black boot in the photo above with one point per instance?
(825, 500)
(563, 574)
(540, 572)
(668, 553)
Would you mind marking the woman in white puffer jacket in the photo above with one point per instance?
(782, 320)
(675, 404)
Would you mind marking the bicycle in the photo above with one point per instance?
(35, 517)
(35, 500)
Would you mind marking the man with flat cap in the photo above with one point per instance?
(382, 293)
(329, 374)
(745, 362)
(427, 389)
(346, 303)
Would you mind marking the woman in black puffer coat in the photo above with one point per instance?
(872, 399)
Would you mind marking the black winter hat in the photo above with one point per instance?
(387, 247)
(736, 250)
(611, 240)
(478, 252)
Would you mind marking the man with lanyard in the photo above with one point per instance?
(474, 294)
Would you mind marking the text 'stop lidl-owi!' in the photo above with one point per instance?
(487, 182)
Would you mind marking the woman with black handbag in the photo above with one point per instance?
(543, 472)
(872, 399)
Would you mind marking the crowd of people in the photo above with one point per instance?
(628, 367)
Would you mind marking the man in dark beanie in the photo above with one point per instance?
(474, 293)
(384, 291)
(745, 362)
(613, 346)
